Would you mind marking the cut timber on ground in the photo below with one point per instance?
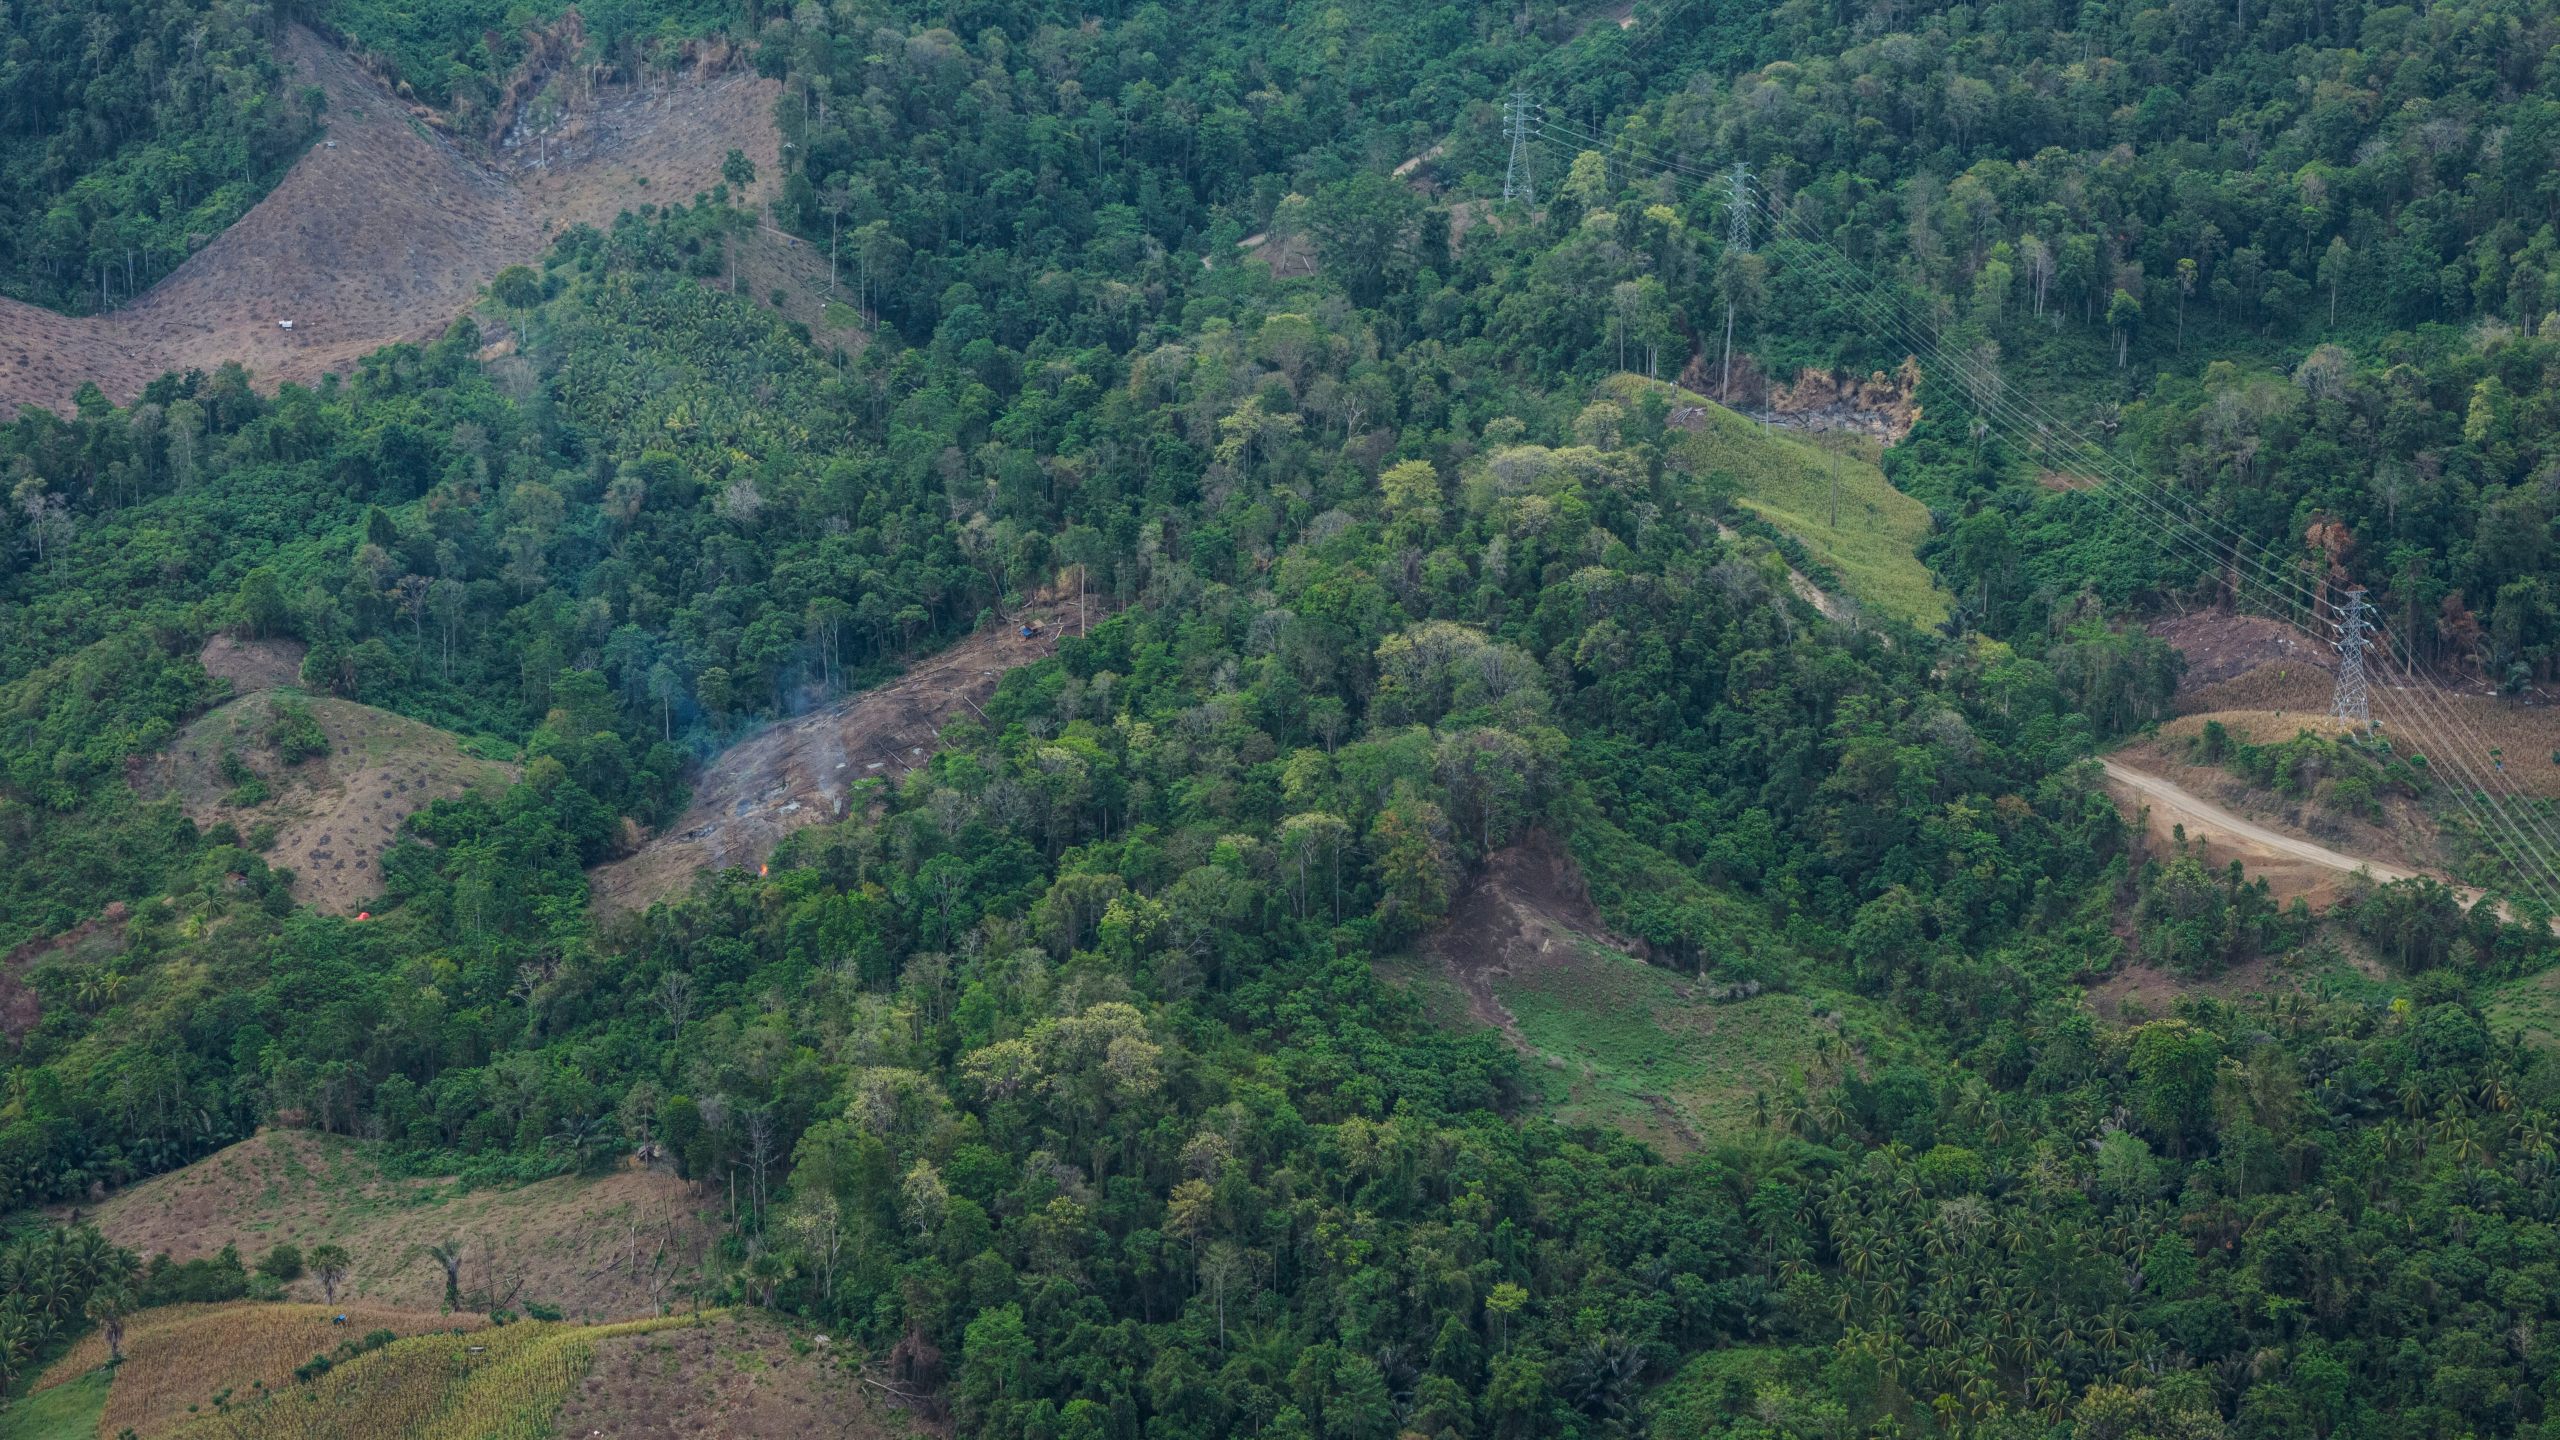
(803, 772)
(386, 236)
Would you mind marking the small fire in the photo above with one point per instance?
(763, 870)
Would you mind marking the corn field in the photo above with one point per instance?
(498, 1384)
(177, 1357)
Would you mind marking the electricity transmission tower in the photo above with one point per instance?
(1737, 239)
(2355, 636)
(1517, 181)
(1737, 208)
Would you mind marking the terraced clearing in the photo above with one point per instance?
(1788, 479)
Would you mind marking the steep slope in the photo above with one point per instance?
(617, 1245)
(383, 232)
(1839, 506)
(802, 772)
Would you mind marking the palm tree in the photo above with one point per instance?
(107, 1307)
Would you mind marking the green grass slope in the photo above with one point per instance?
(65, 1412)
(1789, 480)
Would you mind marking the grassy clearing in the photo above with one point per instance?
(1636, 1047)
(1624, 1045)
(1788, 481)
(505, 1384)
(63, 1412)
(2529, 1006)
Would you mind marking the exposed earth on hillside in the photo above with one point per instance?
(2291, 865)
(334, 814)
(611, 1247)
(383, 232)
(739, 1376)
(2264, 680)
(767, 263)
(1671, 1059)
(2220, 646)
(1527, 909)
(802, 772)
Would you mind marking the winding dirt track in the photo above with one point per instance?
(2205, 820)
(2222, 835)
(385, 232)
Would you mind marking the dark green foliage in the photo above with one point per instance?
(1058, 1075)
(282, 1263)
(295, 734)
(128, 132)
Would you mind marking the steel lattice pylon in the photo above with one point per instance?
(2354, 636)
(1517, 181)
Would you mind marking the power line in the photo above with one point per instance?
(1517, 181)
(2350, 704)
(2182, 520)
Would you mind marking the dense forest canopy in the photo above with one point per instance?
(1060, 1074)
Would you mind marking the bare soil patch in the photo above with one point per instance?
(1527, 910)
(383, 232)
(2146, 992)
(612, 1247)
(737, 1376)
(93, 941)
(2220, 646)
(335, 814)
(253, 665)
(804, 772)
(2255, 667)
(2265, 851)
(770, 263)
(2404, 836)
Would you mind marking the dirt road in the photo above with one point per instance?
(2206, 821)
(2291, 866)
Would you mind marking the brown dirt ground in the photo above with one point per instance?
(93, 941)
(385, 234)
(178, 1356)
(2220, 646)
(2405, 837)
(735, 1377)
(597, 1248)
(336, 814)
(1523, 912)
(2259, 667)
(253, 665)
(768, 260)
(802, 772)
(2288, 877)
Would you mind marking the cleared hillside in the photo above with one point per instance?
(616, 1245)
(1842, 509)
(383, 232)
